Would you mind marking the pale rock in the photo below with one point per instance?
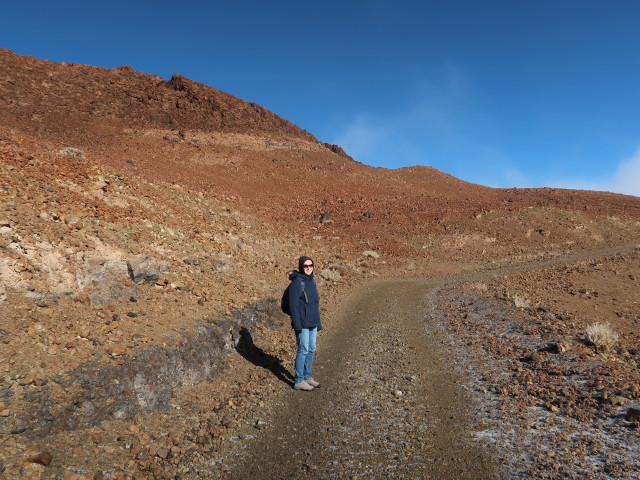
(117, 349)
(618, 401)
(32, 471)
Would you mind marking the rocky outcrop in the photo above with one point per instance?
(39, 91)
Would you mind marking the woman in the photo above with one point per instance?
(305, 321)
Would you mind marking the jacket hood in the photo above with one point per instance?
(301, 261)
(303, 276)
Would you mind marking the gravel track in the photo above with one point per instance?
(392, 405)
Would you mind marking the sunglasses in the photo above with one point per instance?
(308, 265)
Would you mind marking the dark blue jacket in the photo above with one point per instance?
(305, 312)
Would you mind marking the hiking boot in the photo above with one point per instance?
(303, 386)
(312, 382)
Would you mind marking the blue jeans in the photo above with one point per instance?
(306, 340)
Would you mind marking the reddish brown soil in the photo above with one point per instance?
(146, 228)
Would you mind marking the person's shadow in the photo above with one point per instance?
(258, 357)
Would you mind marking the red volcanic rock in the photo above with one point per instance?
(40, 457)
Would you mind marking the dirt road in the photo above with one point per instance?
(395, 399)
(392, 403)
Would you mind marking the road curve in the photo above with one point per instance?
(392, 403)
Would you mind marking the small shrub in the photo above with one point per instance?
(72, 152)
(481, 287)
(520, 302)
(330, 274)
(602, 336)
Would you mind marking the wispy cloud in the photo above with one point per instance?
(624, 179)
(441, 122)
(627, 176)
(381, 143)
(363, 137)
(418, 133)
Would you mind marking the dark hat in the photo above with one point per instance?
(301, 261)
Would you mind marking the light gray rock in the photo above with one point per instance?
(146, 270)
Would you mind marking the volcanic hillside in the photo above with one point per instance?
(145, 224)
(185, 133)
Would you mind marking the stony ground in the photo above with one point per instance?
(438, 378)
(421, 378)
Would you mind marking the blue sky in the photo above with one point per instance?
(518, 93)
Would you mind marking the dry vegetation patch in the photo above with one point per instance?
(602, 336)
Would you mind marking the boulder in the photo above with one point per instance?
(146, 270)
(41, 457)
(633, 414)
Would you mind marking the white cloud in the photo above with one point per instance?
(625, 179)
(627, 176)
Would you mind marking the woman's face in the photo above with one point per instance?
(307, 267)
